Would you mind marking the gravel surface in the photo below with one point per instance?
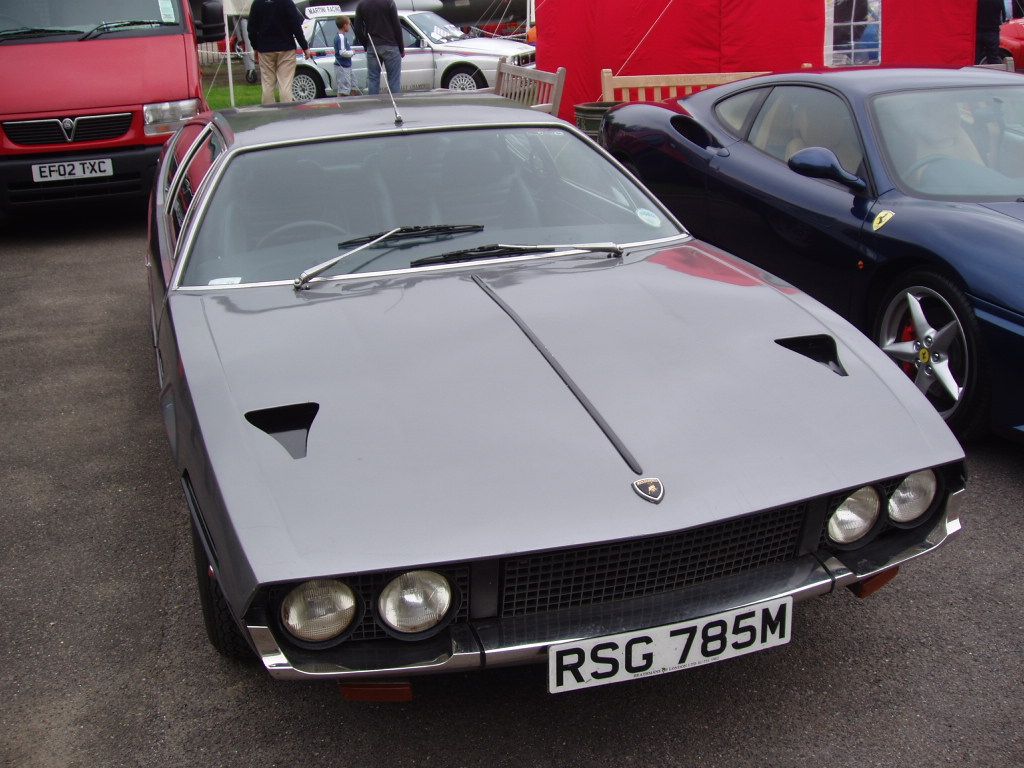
(104, 662)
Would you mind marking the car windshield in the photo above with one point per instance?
(955, 143)
(437, 29)
(277, 211)
(36, 17)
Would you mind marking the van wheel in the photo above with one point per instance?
(464, 78)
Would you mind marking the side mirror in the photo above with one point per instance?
(821, 163)
(210, 27)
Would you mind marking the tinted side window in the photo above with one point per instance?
(733, 111)
(795, 117)
(192, 177)
(185, 139)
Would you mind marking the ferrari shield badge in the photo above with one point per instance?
(881, 220)
(650, 489)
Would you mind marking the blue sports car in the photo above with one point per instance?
(896, 197)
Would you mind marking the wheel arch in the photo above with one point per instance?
(882, 279)
(450, 70)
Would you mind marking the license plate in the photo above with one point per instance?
(75, 169)
(649, 652)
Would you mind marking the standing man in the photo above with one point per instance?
(377, 28)
(275, 26)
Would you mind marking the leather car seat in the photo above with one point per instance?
(829, 128)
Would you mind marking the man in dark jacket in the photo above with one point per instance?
(990, 16)
(275, 26)
(377, 29)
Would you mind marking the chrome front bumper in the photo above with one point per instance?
(525, 640)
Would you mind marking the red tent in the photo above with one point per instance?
(671, 36)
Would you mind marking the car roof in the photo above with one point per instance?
(867, 81)
(357, 115)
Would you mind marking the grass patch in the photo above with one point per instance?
(245, 95)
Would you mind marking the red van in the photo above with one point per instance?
(91, 90)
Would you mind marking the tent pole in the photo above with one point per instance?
(227, 51)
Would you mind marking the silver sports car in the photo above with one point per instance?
(446, 389)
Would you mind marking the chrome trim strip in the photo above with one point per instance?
(183, 247)
(463, 655)
(851, 567)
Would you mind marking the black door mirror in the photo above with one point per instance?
(210, 26)
(821, 163)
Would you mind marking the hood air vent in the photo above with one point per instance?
(288, 424)
(820, 349)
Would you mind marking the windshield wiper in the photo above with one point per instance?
(404, 233)
(398, 233)
(109, 26)
(36, 32)
(500, 250)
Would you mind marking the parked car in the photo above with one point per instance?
(73, 125)
(437, 55)
(893, 196)
(454, 391)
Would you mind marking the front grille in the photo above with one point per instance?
(368, 587)
(641, 567)
(87, 128)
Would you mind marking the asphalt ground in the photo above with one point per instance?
(104, 662)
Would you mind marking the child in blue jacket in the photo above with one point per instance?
(343, 59)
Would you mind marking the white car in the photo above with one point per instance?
(437, 55)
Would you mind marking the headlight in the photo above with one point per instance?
(855, 516)
(167, 116)
(913, 497)
(319, 610)
(415, 601)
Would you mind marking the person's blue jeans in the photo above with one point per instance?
(392, 61)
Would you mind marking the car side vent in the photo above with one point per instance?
(288, 424)
(820, 349)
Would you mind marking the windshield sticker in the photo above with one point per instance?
(167, 11)
(881, 220)
(648, 217)
(225, 281)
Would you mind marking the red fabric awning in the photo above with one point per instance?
(672, 36)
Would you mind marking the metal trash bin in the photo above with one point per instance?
(588, 116)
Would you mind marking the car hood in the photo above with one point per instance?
(443, 434)
(122, 73)
(484, 45)
(1013, 210)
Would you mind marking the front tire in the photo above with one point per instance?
(306, 86)
(221, 629)
(464, 78)
(927, 327)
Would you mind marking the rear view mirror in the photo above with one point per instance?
(210, 26)
(821, 163)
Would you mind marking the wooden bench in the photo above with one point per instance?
(532, 88)
(636, 87)
(1006, 66)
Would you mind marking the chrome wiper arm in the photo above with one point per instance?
(424, 230)
(398, 233)
(500, 250)
(109, 26)
(300, 281)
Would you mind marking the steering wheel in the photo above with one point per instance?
(291, 226)
(916, 171)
